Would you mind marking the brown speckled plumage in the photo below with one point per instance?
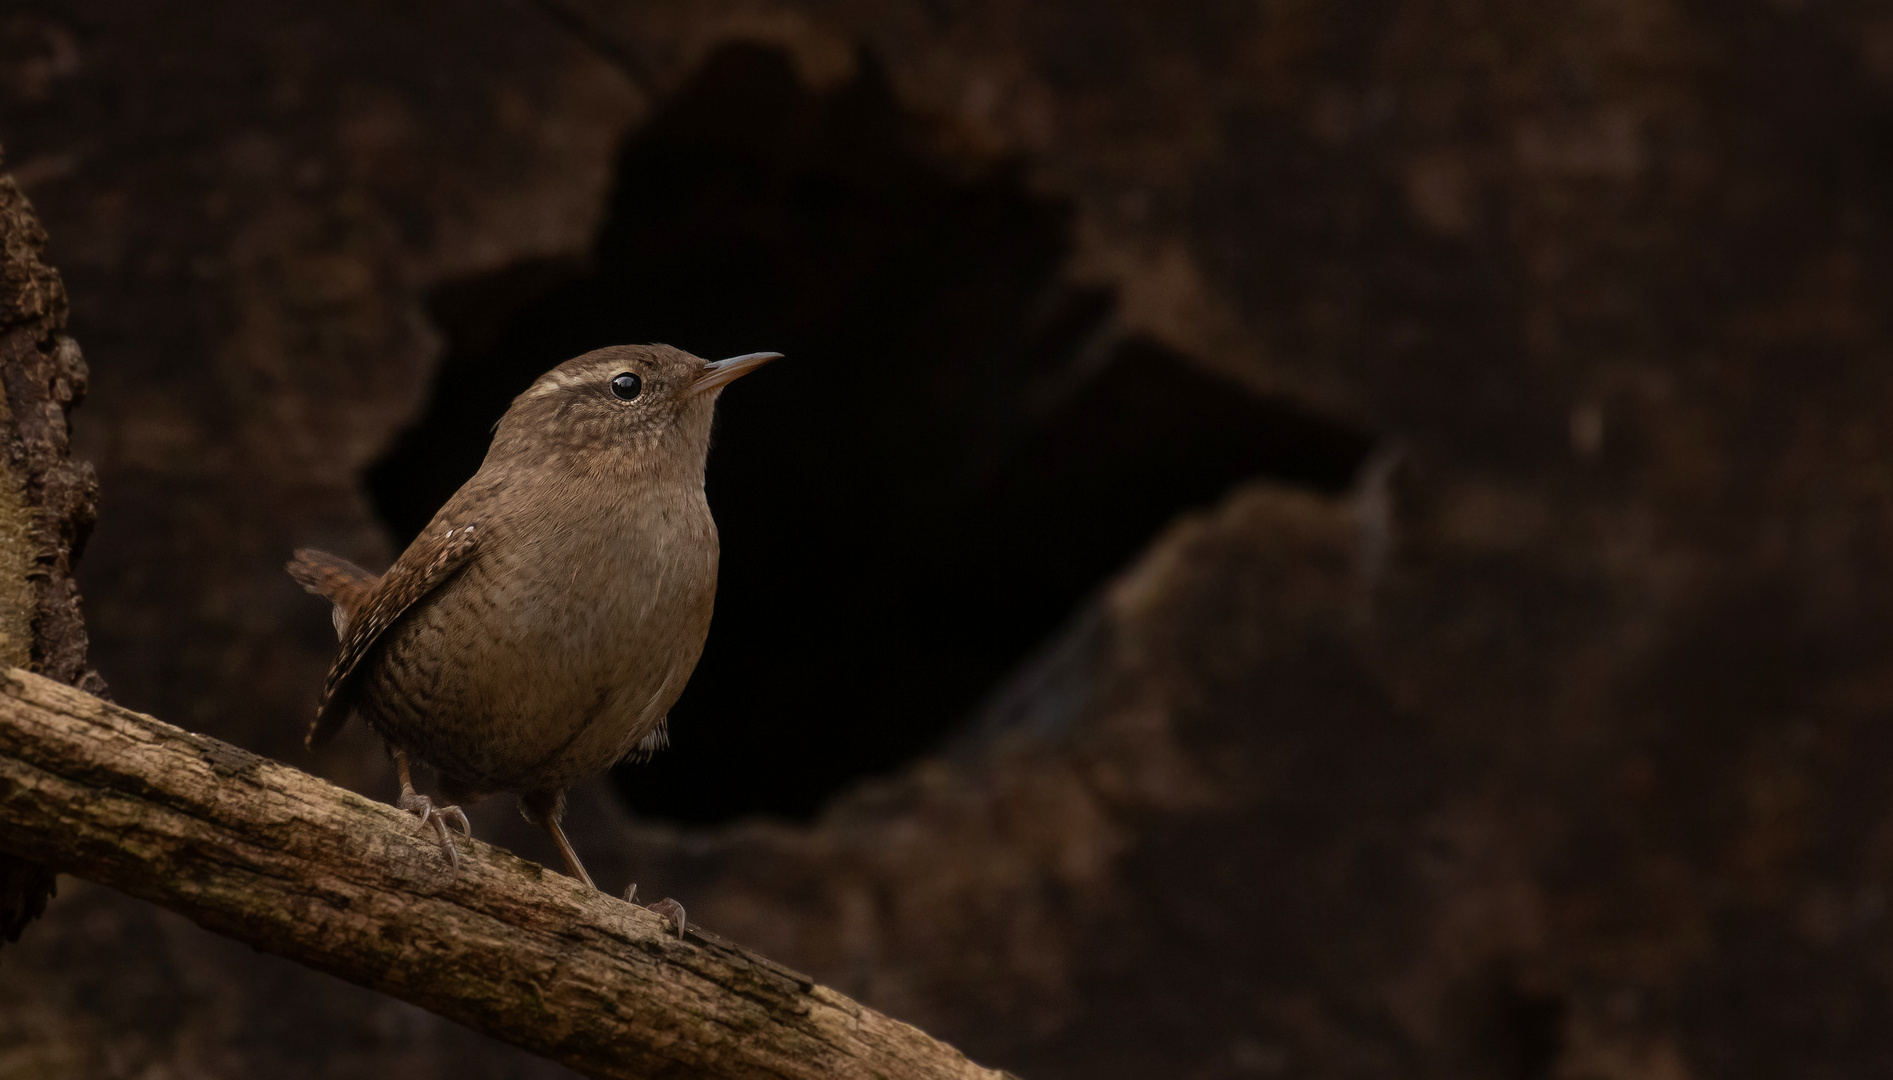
(543, 623)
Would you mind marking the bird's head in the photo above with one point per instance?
(647, 406)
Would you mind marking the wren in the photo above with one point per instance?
(544, 622)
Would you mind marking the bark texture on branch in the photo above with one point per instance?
(293, 865)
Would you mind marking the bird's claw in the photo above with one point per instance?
(437, 817)
(458, 817)
(668, 908)
(672, 910)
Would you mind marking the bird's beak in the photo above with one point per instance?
(727, 371)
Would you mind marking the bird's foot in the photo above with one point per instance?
(438, 816)
(668, 908)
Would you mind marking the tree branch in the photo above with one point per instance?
(290, 864)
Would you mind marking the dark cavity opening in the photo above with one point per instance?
(1523, 1034)
(956, 451)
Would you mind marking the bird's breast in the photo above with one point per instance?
(617, 602)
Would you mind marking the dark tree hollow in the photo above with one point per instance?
(957, 450)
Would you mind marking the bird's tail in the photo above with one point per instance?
(336, 580)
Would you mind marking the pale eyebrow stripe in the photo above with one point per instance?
(555, 381)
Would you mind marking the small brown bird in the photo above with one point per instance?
(542, 625)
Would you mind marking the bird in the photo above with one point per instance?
(541, 626)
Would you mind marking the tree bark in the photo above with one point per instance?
(290, 864)
(47, 501)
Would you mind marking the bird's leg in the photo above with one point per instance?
(572, 865)
(544, 809)
(424, 808)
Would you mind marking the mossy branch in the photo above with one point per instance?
(290, 864)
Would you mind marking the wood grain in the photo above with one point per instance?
(291, 864)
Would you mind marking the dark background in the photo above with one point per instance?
(1303, 540)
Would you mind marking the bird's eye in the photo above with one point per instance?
(625, 386)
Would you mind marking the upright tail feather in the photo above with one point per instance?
(336, 580)
(344, 585)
